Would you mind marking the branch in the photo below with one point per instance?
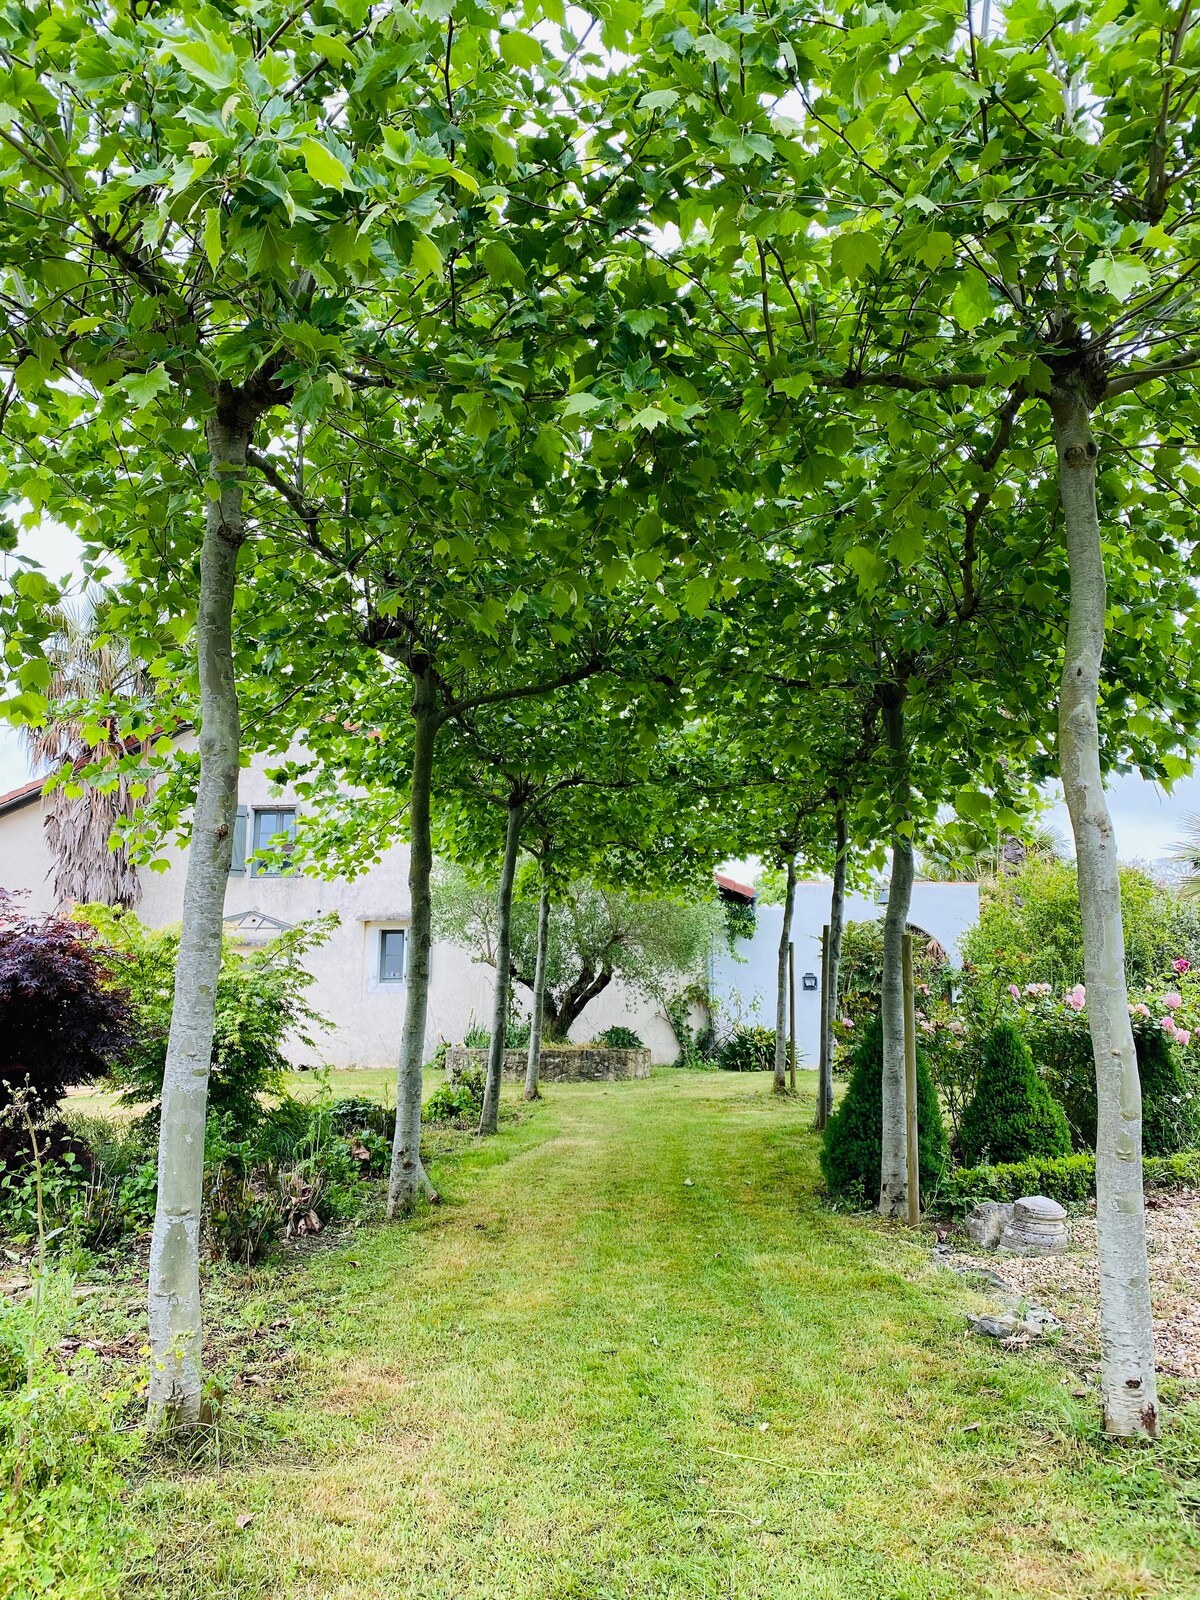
(1135, 377)
(935, 381)
(528, 691)
(308, 514)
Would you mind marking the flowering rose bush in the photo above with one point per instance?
(1056, 1028)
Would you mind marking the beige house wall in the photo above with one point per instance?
(365, 1015)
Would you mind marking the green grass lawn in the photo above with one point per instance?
(633, 1358)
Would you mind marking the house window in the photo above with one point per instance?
(393, 953)
(274, 830)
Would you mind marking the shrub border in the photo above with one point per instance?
(1067, 1179)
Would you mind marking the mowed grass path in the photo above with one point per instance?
(586, 1377)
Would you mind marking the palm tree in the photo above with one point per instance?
(91, 673)
(1186, 857)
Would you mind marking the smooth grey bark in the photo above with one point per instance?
(489, 1116)
(779, 1085)
(537, 1020)
(174, 1280)
(1127, 1382)
(408, 1177)
(893, 1186)
(829, 998)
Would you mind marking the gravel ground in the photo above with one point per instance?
(1068, 1284)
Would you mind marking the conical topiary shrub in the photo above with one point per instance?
(852, 1150)
(1013, 1115)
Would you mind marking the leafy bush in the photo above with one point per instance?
(458, 1103)
(437, 1063)
(618, 1038)
(357, 1114)
(66, 1019)
(260, 1000)
(1068, 1179)
(477, 1038)
(1061, 1042)
(852, 1149)
(291, 1176)
(63, 1525)
(1013, 1115)
(97, 1185)
(1029, 931)
(748, 1049)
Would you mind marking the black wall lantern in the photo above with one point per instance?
(809, 980)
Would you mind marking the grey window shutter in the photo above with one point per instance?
(238, 865)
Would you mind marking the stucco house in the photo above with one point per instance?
(359, 972)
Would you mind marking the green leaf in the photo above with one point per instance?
(1120, 275)
(869, 568)
(520, 49)
(649, 417)
(323, 166)
(972, 300)
(658, 100)
(856, 253)
(502, 265)
(426, 258)
(714, 49)
(581, 403)
(212, 238)
(141, 387)
(202, 60)
(935, 248)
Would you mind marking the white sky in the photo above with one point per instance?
(1149, 822)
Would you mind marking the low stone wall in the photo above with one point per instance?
(581, 1064)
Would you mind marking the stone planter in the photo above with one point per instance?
(576, 1064)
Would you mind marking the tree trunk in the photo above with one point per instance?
(508, 872)
(1127, 1382)
(829, 996)
(781, 988)
(538, 1014)
(174, 1284)
(408, 1175)
(565, 1013)
(893, 1187)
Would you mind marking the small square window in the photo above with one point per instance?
(393, 952)
(273, 830)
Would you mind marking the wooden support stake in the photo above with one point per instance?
(824, 1064)
(910, 1084)
(792, 1016)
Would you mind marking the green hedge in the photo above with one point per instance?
(1067, 1179)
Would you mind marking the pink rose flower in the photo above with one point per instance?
(1183, 1036)
(1167, 1024)
(1181, 966)
(1014, 991)
(1172, 1001)
(1140, 1010)
(956, 1026)
(1077, 998)
(847, 1022)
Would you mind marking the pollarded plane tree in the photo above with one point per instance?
(1057, 258)
(206, 226)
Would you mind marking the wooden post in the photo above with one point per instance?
(910, 1084)
(792, 1016)
(824, 1064)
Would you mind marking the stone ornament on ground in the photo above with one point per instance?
(1038, 1228)
(987, 1221)
(1032, 1226)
